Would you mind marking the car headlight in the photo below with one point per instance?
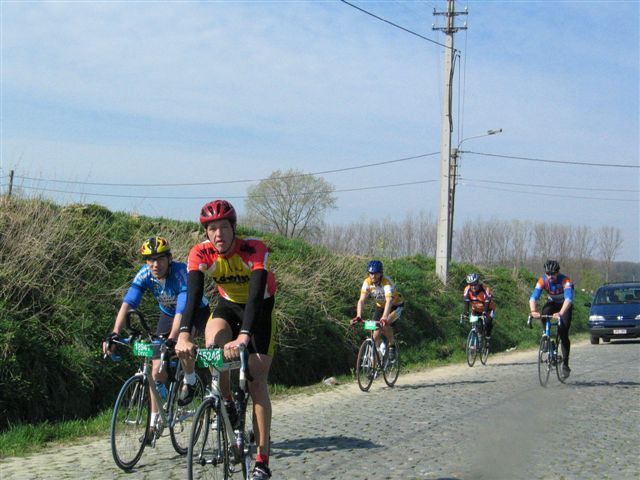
(637, 317)
(597, 318)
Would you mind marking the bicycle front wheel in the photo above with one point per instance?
(208, 452)
(391, 367)
(559, 361)
(472, 347)
(130, 422)
(484, 350)
(366, 365)
(544, 361)
(181, 417)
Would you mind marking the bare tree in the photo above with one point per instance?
(520, 238)
(466, 243)
(290, 203)
(501, 237)
(542, 240)
(609, 243)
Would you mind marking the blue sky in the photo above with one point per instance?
(186, 92)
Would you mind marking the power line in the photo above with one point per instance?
(587, 164)
(395, 25)
(224, 182)
(226, 196)
(564, 187)
(554, 194)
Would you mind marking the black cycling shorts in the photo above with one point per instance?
(377, 314)
(165, 322)
(264, 328)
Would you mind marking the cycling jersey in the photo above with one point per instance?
(479, 299)
(232, 271)
(381, 292)
(170, 292)
(559, 291)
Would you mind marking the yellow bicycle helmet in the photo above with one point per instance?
(155, 246)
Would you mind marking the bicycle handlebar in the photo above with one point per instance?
(143, 323)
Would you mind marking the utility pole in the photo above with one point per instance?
(453, 177)
(447, 170)
(10, 184)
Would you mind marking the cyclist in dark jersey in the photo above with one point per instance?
(166, 279)
(559, 304)
(243, 314)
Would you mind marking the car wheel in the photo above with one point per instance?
(595, 340)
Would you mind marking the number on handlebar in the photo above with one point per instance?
(370, 325)
(144, 349)
(474, 318)
(211, 357)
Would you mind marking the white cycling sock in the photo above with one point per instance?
(154, 416)
(190, 378)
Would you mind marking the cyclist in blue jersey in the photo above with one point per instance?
(166, 279)
(559, 304)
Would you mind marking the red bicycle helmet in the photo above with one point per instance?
(218, 210)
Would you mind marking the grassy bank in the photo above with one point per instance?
(64, 270)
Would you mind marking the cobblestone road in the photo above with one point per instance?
(454, 422)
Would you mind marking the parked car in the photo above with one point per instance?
(615, 312)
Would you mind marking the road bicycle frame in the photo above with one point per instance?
(372, 359)
(214, 453)
(548, 354)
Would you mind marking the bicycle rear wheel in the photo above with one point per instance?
(472, 347)
(544, 361)
(391, 368)
(484, 350)
(208, 452)
(181, 417)
(130, 422)
(366, 365)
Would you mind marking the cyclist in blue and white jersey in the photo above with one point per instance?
(559, 304)
(166, 279)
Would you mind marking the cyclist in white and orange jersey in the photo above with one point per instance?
(389, 302)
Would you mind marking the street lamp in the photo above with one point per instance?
(453, 173)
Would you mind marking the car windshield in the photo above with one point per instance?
(607, 296)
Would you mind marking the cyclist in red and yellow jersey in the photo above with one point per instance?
(389, 302)
(478, 296)
(243, 314)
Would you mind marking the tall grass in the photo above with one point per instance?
(63, 271)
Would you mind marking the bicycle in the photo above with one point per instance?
(130, 423)
(549, 355)
(477, 339)
(218, 447)
(372, 360)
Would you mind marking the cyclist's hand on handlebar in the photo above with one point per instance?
(108, 345)
(171, 344)
(383, 322)
(185, 348)
(355, 320)
(535, 314)
(232, 349)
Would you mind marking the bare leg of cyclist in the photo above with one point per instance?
(387, 330)
(218, 333)
(158, 378)
(259, 365)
